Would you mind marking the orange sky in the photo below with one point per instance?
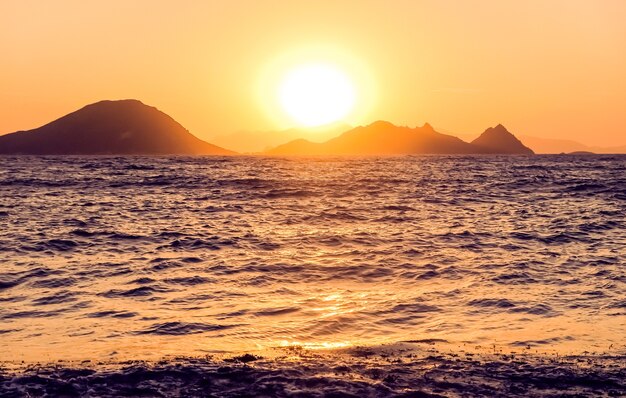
(545, 68)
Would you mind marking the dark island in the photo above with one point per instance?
(124, 127)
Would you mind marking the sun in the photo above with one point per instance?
(316, 94)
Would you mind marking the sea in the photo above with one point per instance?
(111, 259)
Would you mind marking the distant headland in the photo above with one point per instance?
(129, 127)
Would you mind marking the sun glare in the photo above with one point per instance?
(316, 94)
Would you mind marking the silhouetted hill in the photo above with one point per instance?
(109, 127)
(384, 138)
(551, 145)
(259, 141)
(499, 140)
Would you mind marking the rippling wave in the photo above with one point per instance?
(140, 257)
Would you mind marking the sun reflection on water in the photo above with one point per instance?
(339, 304)
(315, 345)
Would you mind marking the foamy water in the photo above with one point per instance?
(110, 258)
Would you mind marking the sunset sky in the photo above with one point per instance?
(543, 68)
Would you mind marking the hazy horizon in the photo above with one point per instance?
(249, 142)
(549, 70)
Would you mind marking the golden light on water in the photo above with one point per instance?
(336, 304)
(317, 345)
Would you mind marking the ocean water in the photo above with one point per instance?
(111, 258)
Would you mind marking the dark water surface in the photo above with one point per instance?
(108, 258)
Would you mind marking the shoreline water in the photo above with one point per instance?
(401, 370)
(168, 349)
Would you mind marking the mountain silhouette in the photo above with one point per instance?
(551, 145)
(499, 140)
(110, 127)
(259, 141)
(384, 138)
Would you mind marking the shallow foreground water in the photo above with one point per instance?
(136, 258)
(389, 371)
